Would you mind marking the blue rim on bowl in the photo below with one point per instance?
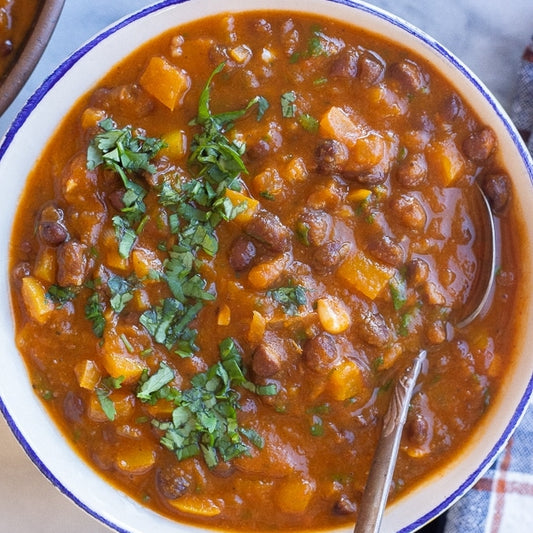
(53, 457)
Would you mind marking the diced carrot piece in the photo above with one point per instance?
(294, 494)
(365, 274)
(224, 315)
(237, 198)
(137, 459)
(196, 505)
(333, 315)
(87, 374)
(166, 82)
(38, 305)
(336, 124)
(45, 265)
(241, 54)
(445, 162)
(345, 381)
(264, 275)
(257, 328)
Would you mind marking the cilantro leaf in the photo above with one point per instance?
(94, 311)
(291, 298)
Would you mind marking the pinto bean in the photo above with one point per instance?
(412, 171)
(479, 145)
(417, 429)
(388, 251)
(327, 257)
(369, 178)
(53, 233)
(71, 264)
(267, 360)
(242, 253)
(73, 407)
(409, 212)
(344, 506)
(497, 188)
(371, 68)
(331, 156)
(320, 353)
(267, 228)
(452, 108)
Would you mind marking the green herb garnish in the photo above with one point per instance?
(291, 298)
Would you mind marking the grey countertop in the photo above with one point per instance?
(487, 36)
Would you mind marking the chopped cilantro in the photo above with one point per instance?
(103, 391)
(291, 298)
(398, 290)
(121, 292)
(94, 311)
(60, 295)
(288, 106)
(308, 122)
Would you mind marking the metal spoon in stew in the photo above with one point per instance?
(377, 487)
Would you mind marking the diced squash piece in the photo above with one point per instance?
(165, 81)
(87, 374)
(345, 381)
(294, 494)
(110, 250)
(296, 170)
(140, 300)
(268, 183)
(144, 262)
(137, 459)
(120, 355)
(365, 274)
(336, 124)
(176, 144)
(161, 408)
(256, 332)
(46, 265)
(358, 195)
(445, 162)
(333, 315)
(237, 198)
(241, 54)
(123, 402)
(264, 275)
(224, 315)
(38, 305)
(366, 152)
(91, 117)
(196, 505)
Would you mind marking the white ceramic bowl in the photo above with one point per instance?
(36, 123)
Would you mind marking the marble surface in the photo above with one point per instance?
(487, 36)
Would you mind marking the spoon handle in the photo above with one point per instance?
(379, 479)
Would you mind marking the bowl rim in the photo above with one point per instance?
(32, 49)
(427, 41)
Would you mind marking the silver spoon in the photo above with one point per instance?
(375, 495)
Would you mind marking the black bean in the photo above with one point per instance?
(417, 429)
(409, 75)
(320, 353)
(497, 188)
(268, 229)
(344, 506)
(73, 407)
(345, 64)
(327, 257)
(409, 212)
(267, 359)
(479, 145)
(71, 263)
(371, 68)
(412, 171)
(388, 251)
(373, 329)
(369, 178)
(52, 233)
(317, 224)
(242, 253)
(417, 272)
(331, 156)
(116, 199)
(171, 482)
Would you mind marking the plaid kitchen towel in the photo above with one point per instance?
(502, 500)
